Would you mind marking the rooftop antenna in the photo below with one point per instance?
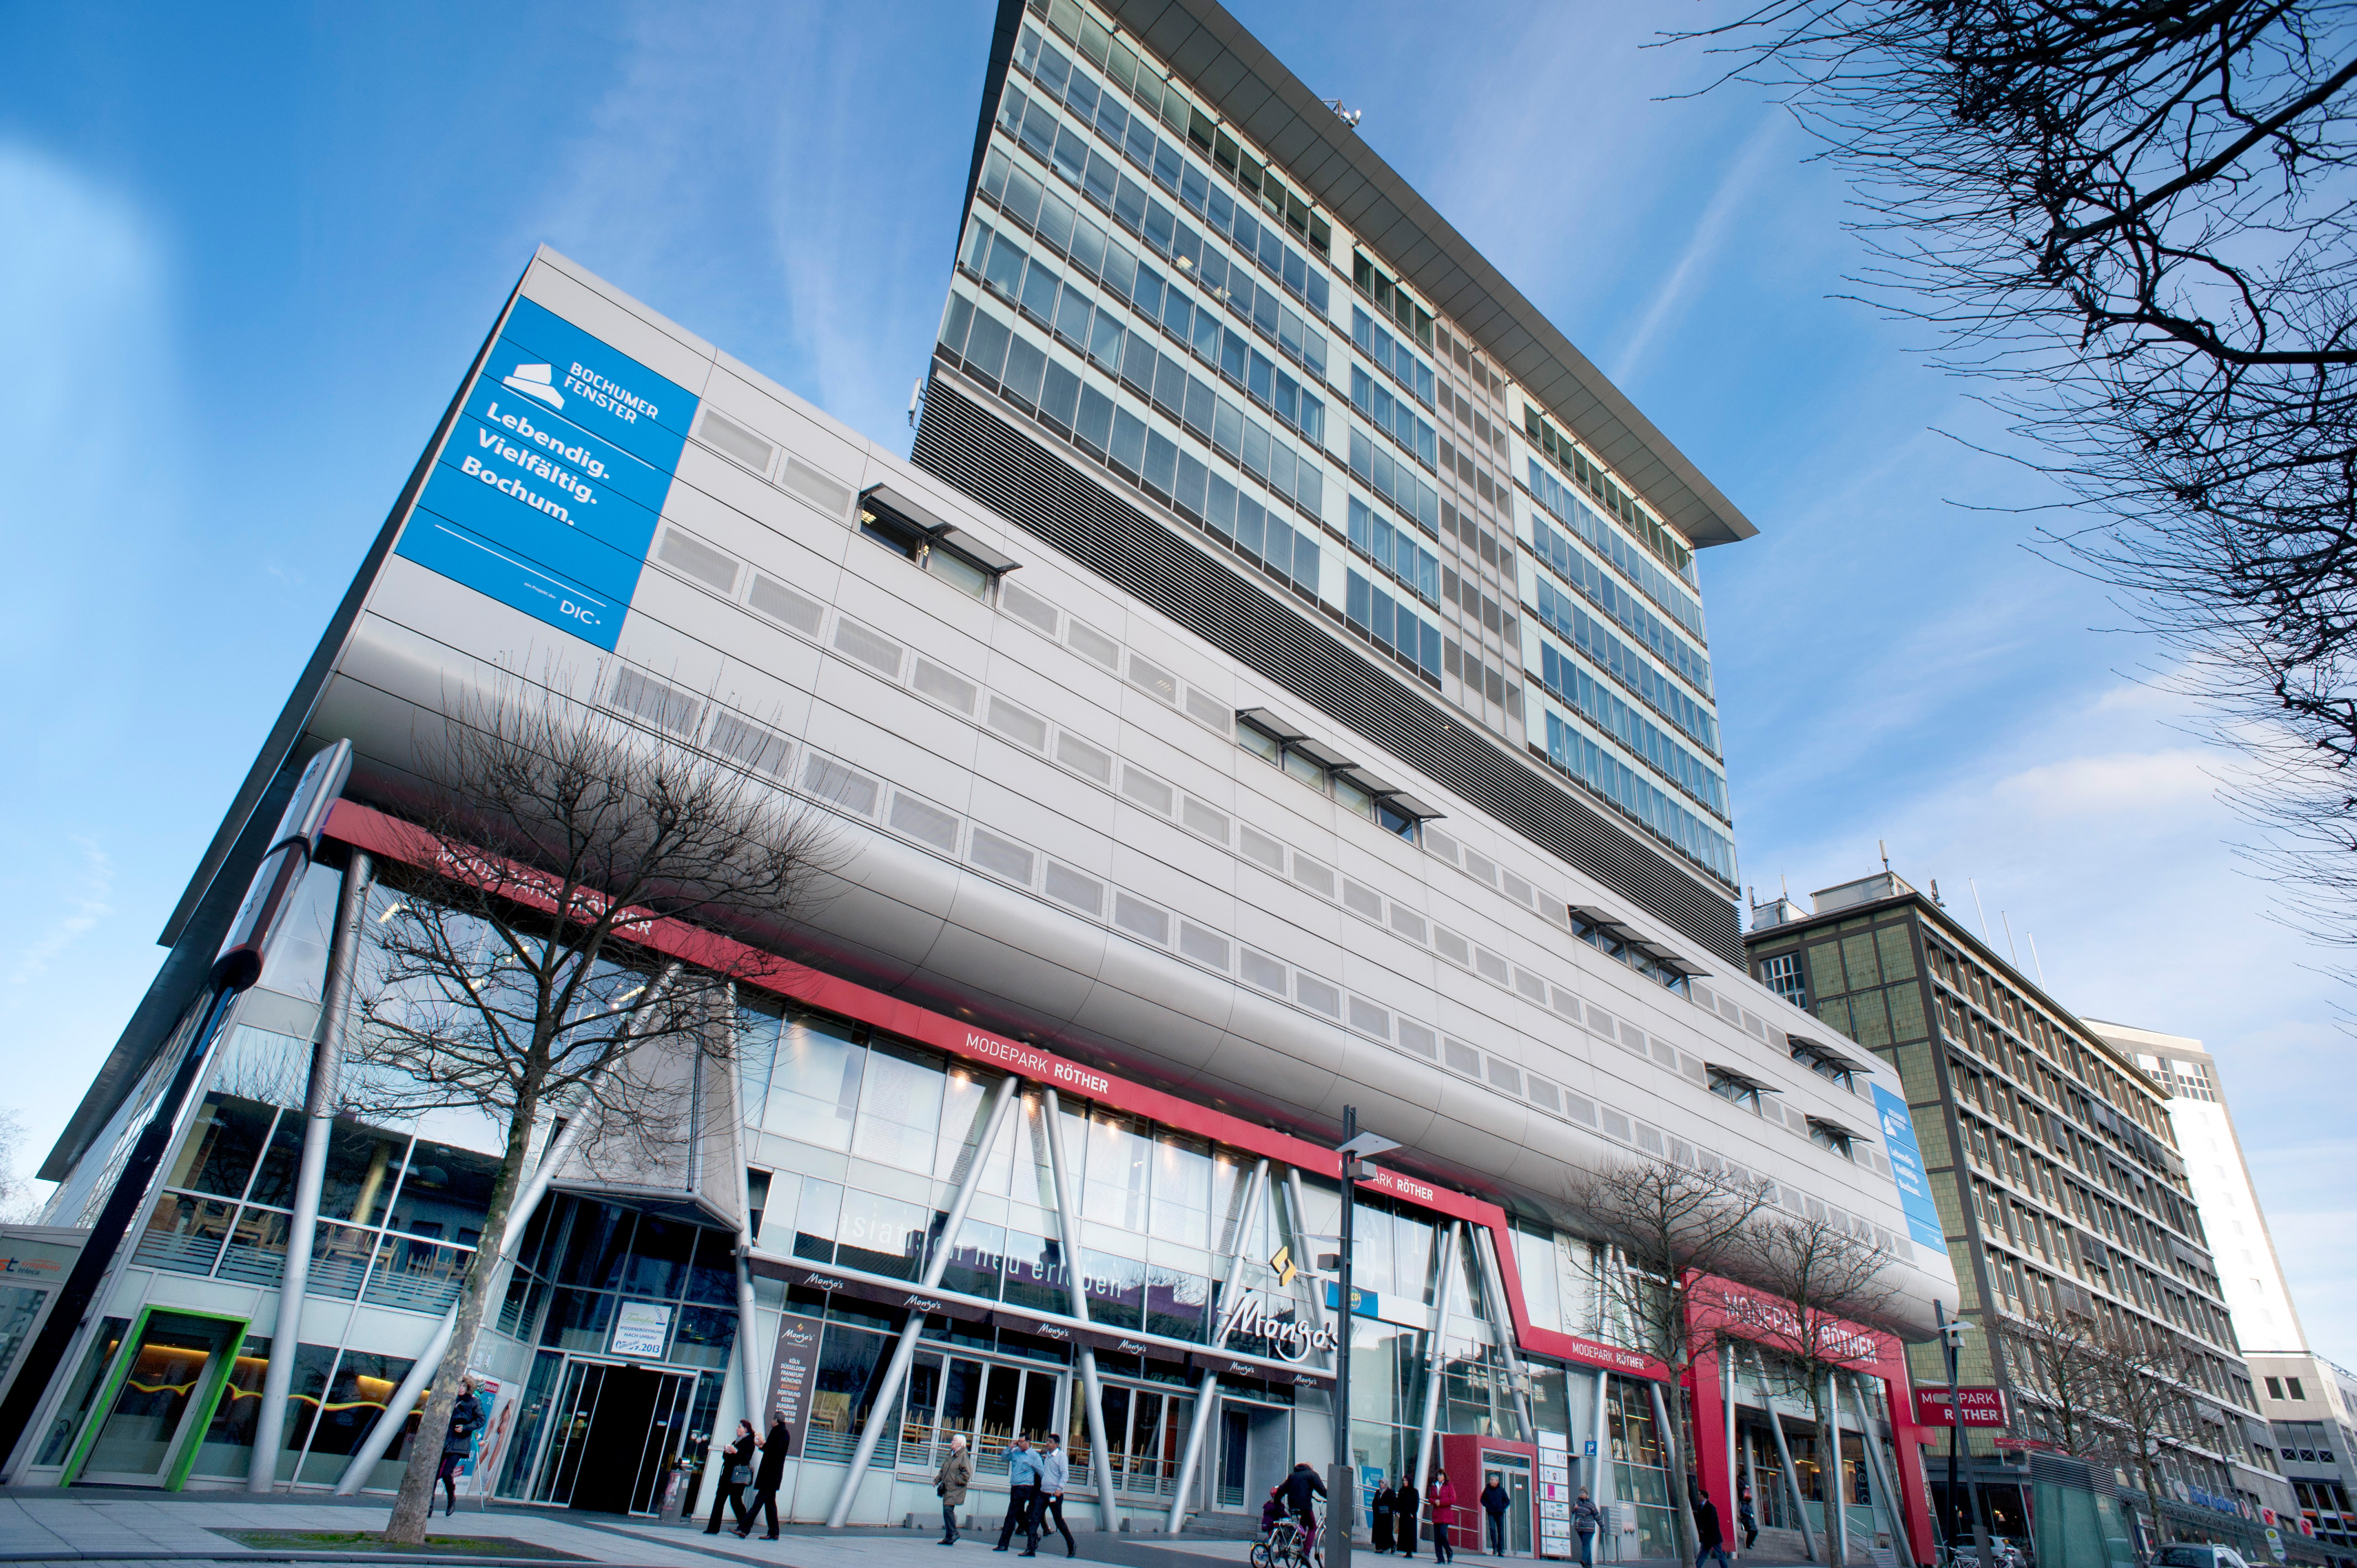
(2040, 963)
(1884, 848)
(1975, 886)
(1350, 117)
(1937, 902)
(2008, 939)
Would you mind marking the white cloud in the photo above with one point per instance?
(2121, 783)
(76, 904)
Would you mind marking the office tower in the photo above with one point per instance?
(2307, 1398)
(2059, 1177)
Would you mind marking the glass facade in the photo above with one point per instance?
(1136, 279)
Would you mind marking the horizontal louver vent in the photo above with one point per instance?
(964, 442)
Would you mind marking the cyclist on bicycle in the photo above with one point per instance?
(1299, 1487)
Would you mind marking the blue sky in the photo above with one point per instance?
(245, 255)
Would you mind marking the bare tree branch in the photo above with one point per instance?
(513, 975)
(1679, 1229)
(1819, 1281)
(2135, 223)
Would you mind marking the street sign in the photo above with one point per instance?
(1982, 1406)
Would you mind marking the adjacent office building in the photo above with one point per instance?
(1277, 680)
(2305, 1397)
(2060, 1178)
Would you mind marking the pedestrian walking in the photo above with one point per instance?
(1707, 1530)
(1405, 1507)
(1022, 1497)
(1586, 1518)
(1055, 1470)
(1379, 1522)
(1748, 1514)
(950, 1483)
(1441, 1498)
(736, 1474)
(1495, 1501)
(466, 1419)
(768, 1477)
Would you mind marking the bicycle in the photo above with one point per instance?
(1287, 1545)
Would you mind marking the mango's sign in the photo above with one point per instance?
(1288, 1337)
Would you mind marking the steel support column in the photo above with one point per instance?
(1010, 1089)
(1429, 1435)
(1784, 1458)
(1894, 1507)
(1501, 1324)
(319, 1119)
(1210, 1385)
(1068, 1228)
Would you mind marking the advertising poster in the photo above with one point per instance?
(547, 494)
(791, 1374)
(496, 1400)
(641, 1328)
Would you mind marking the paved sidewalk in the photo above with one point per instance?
(46, 1526)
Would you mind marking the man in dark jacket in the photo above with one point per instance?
(768, 1478)
(1299, 1487)
(1495, 1501)
(1707, 1528)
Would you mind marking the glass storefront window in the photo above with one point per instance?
(813, 1083)
(657, 1261)
(1116, 1290)
(843, 1393)
(882, 1235)
(965, 1111)
(1639, 1474)
(899, 1117)
(363, 1167)
(221, 1148)
(1182, 1190)
(1178, 1303)
(1037, 1275)
(445, 1193)
(1119, 1159)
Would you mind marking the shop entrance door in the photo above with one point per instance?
(1514, 1473)
(615, 1432)
(1255, 1453)
(162, 1395)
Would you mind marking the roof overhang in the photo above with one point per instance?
(1242, 83)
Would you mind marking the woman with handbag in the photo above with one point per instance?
(736, 1474)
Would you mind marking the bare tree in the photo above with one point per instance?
(2116, 1390)
(17, 1204)
(515, 977)
(2130, 222)
(1680, 1229)
(1819, 1281)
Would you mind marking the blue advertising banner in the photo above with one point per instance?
(547, 494)
(1907, 1170)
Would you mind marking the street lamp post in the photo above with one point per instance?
(1342, 1487)
(1951, 1334)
